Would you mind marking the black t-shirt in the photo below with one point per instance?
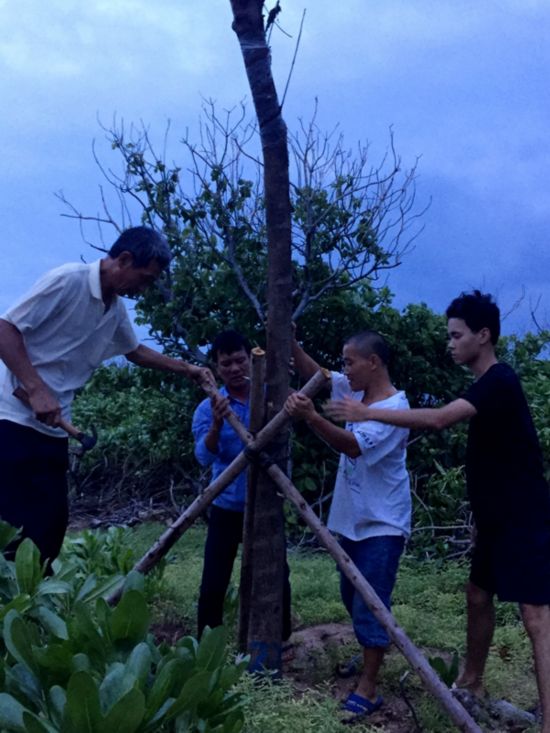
(504, 468)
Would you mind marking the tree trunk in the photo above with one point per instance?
(257, 420)
(265, 624)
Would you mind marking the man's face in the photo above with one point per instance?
(234, 369)
(357, 368)
(133, 280)
(464, 344)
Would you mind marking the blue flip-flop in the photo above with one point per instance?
(359, 706)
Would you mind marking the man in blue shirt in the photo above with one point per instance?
(216, 445)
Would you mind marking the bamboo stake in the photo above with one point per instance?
(456, 712)
(186, 519)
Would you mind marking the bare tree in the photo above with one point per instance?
(265, 623)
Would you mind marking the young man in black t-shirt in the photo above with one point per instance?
(509, 496)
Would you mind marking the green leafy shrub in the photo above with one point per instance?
(80, 666)
(144, 448)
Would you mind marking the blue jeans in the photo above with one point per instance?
(377, 558)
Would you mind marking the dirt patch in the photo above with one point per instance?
(319, 651)
(315, 657)
(169, 632)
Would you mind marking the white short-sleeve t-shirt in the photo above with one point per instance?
(67, 334)
(372, 492)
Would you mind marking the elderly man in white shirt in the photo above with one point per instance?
(51, 341)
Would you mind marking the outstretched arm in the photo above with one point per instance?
(14, 355)
(143, 356)
(425, 418)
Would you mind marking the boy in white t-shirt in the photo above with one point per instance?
(371, 504)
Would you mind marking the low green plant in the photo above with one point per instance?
(446, 669)
(72, 664)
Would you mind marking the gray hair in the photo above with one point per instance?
(144, 244)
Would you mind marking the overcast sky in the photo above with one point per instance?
(464, 85)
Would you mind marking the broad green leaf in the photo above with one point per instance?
(52, 622)
(163, 687)
(52, 587)
(230, 675)
(24, 684)
(134, 581)
(93, 589)
(115, 685)
(34, 724)
(103, 613)
(7, 576)
(16, 638)
(56, 659)
(20, 603)
(211, 651)
(189, 643)
(194, 691)
(139, 663)
(81, 663)
(7, 534)
(153, 722)
(85, 634)
(126, 715)
(27, 566)
(11, 713)
(130, 619)
(58, 699)
(82, 710)
(87, 588)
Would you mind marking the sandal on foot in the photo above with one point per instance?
(359, 706)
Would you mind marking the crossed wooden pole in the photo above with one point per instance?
(253, 453)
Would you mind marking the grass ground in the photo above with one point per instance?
(428, 604)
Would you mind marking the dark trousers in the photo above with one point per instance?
(33, 486)
(225, 533)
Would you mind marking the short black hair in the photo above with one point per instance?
(371, 342)
(144, 244)
(227, 342)
(478, 311)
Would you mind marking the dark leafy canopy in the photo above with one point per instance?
(352, 220)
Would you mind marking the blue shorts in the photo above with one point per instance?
(378, 560)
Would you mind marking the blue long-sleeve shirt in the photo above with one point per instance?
(229, 446)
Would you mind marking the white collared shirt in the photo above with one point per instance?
(67, 334)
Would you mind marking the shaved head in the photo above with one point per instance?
(370, 342)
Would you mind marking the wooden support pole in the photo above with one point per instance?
(186, 519)
(256, 422)
(458, 714)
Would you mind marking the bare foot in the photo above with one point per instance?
(474, 687)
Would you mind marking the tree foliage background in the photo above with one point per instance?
(352, 221)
